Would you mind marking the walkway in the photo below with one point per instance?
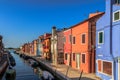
(73, 74)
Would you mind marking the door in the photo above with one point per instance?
(68, 59)
(78, 61)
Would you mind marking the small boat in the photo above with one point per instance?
(35, 64)
(12, 61)
(47, 76)
(21, 55)
(10, 74)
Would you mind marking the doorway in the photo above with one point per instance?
(78, 61)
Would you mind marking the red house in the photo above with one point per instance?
(67, 46)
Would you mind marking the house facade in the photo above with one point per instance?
(60, 47)
(34, 48)
(107, 42)
(47, 46)
(67, 46)
(83, 43)
(57, 46)
(41, 40)
(54, 45)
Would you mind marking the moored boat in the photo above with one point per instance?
(47, 76)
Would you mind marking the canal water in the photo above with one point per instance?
(23, 69)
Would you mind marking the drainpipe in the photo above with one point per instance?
(111, 36)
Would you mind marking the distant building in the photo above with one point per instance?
(34, 48)
(57, 46)
(54, 45)
(47, 46)
(60, 46)
(40, 43)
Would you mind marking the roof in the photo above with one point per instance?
(91, 17)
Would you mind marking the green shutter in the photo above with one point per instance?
(101, 37)
(116, 16)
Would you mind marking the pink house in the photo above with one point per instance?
(67, 46)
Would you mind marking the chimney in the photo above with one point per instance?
(53, 30)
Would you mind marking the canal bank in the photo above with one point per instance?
(63, 72)
(3, 65)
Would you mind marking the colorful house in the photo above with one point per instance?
(57, 46)
(38, 47)
(54, 45)
(34, 48)
(40, 44)
(67, 46)
(107, 42)
(83, 44)
(60, 47)
(47, 46)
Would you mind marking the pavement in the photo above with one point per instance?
(67, 71)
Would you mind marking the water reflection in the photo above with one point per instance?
(24, 71)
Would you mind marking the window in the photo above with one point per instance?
(65, 56)
(116, 16)
(83, 58)
(70, 38)
(99, 65)
(117, 1)
(83, 38)
(73, 40)
(73, 56)
(100, 37)
(64, 39)
(107, 68)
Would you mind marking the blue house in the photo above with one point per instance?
(108, 42)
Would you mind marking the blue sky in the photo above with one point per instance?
(24, 20)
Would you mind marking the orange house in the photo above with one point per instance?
(83, 44)
(34, 48)
(47, 46)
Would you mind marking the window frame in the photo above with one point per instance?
(66, 56)
(82, 58)
(117, 2)
(73, 40)
(70, 38)
(81, 38)
(99, 36)
(102, 68)
(73, 56)
(64, 39)
(114, 16)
